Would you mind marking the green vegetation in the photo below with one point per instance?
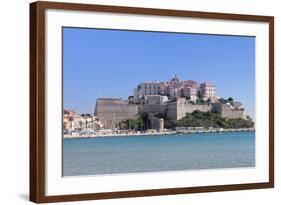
(170, 124)
(136, 124)
(230, 99)
(223, 101)
(195, 119)
(201, 101)
(248, 117)
(141, 123)
(207, 119)
(211, 119)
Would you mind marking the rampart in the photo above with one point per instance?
(157, 123)
(155, 108)
(182, 109)
(111, 111)
(226, 111)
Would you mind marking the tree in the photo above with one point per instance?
(249, 118)
(230, 99)
(210, 119)
(160, 115)
(200, 101)
(222, 100)
(145, 118)
(136, 124)
(169, 124)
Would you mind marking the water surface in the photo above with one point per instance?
(132, 154)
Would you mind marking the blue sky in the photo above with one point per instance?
(111, 63)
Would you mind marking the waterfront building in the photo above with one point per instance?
(72, 121)
(89, 122)
(68, 119)
(69, 113)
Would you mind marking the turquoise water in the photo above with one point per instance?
(131, 154)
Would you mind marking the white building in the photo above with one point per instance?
(207, 90)
(72, 121)
(155, 99)
(174, 93)
(176, 88)
(148, 88)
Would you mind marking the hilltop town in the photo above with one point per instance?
(159, 107)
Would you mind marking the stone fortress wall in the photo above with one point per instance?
(182, 109)
(111, 111)
(155, 108)
(226, 111)
(177, 110)
(157, 123)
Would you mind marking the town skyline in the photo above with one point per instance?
(95, 82)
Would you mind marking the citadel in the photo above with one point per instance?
(172, 99)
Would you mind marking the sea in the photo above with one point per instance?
(156, 153)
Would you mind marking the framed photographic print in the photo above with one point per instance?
(128, 102)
